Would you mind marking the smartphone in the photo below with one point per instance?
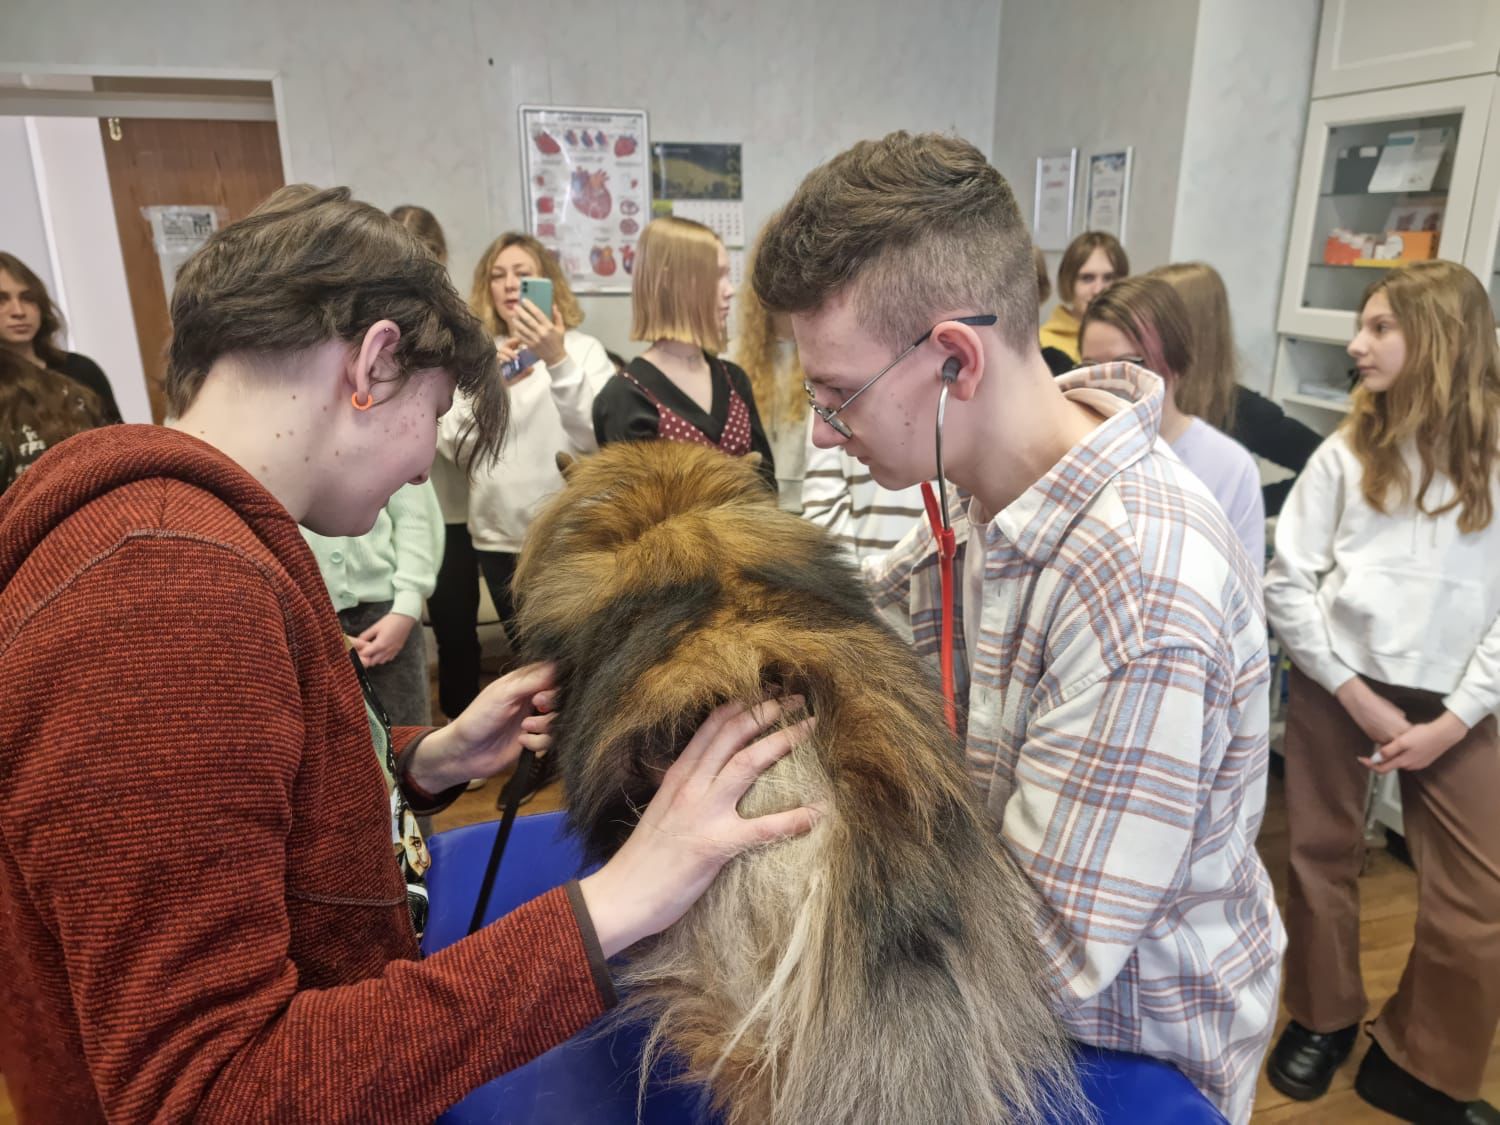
(538, 290)
(513, 367)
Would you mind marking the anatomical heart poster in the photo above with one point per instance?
(587, 190)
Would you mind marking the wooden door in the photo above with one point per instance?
(232, 165)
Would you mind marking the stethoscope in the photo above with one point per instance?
(942, 532)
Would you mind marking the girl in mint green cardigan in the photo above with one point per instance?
(378, 582)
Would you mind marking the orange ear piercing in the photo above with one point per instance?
(369, 401)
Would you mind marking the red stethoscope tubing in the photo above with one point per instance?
(936, 502)
(947, 548)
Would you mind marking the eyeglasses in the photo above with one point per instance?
(831, 414)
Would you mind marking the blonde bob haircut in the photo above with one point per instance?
(483, 305)
(675, 291)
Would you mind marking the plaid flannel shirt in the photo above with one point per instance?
(1117, 723)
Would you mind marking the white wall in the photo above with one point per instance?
(416, 102)
(90, 285)
(1213, 94)
(22, 231)
(1251, 81)
(1095, 74)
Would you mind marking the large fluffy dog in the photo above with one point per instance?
(880, 969)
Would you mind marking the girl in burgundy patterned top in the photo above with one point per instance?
(680, 390)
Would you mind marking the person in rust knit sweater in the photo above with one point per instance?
(201, 915)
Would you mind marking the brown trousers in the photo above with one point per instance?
(1442, 1019)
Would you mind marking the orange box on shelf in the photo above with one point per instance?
(1402, 246)
(1338, 251)
(1346, 248)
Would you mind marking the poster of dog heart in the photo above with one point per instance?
(587, 188)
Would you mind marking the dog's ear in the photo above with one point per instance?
(565, 464)
(753, 459)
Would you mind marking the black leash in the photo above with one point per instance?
(510, 799)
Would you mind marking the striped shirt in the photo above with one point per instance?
(840, 496)
(1117, 726)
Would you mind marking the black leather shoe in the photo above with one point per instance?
(1386, 1086)
(1302, 1062)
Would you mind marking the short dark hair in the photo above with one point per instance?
(309, 266)
(915, 226)
(1079, 251)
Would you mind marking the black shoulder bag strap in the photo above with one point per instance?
(510, 800)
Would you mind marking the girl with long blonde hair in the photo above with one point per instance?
(769, 358)
(1385, 591)
(551, 401)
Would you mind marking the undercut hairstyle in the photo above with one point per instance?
(1150, 314)
(423, 223)
(309, 266)
(34, 289)
(1079, 251)
(914, 228)
(674, 291)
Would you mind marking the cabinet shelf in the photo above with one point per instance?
(1319, 299)
(1381, 194)
(1359, 266)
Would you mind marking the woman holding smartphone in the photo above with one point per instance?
(552, 371)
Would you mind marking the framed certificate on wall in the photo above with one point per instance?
(1052, 205)
(1109, 191)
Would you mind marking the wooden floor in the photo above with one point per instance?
(1387, 916)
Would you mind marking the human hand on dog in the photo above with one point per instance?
(692, 827)
(515, 711)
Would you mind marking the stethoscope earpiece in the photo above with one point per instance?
(950, 368)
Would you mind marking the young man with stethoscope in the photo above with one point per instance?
(1107, 638)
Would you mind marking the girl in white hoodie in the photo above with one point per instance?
(1385, 591)
(551, 405)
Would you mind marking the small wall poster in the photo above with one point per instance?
(1109, 191)
(176, 233)
(587, 190)
(1052, 211)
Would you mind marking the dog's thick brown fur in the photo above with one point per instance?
(882, 968)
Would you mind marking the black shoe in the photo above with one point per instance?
(1386, 1086)
(1302, 1062)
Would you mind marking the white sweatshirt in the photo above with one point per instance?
(551, 411)
(1403, 598)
